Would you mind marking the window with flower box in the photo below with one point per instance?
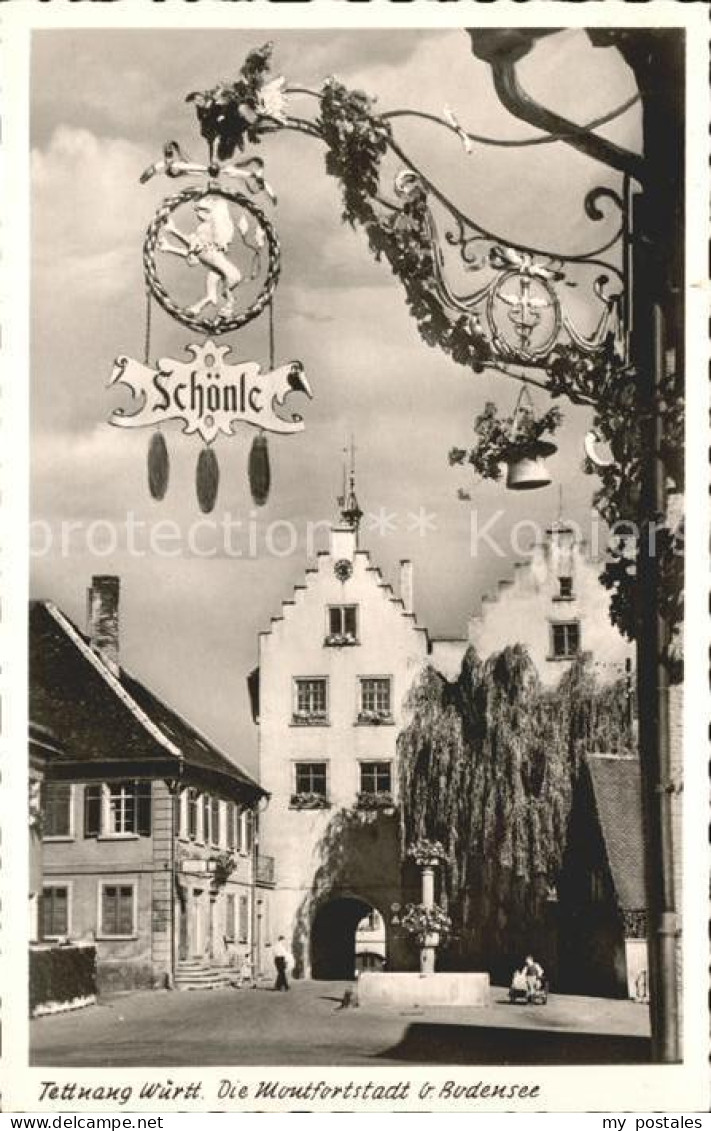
(310, 785)
(376, 786)
(342, 625)
(310, 700)
(375, 700)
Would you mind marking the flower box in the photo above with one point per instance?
(309, 718)
(309, 801)
(374, 718)
(379, 802)
(339, 640)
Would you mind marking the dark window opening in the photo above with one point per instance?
(311, 778)
(55, 912)
(565, 588)
(57, 808)
(566, 639)
(375, 777)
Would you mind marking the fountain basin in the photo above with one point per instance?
(411, 988)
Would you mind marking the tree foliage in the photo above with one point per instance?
(488, 764)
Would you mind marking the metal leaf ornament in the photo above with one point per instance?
(260, 476)
(158, 466)
(207, 479)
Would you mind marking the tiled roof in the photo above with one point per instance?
(102, 717)
(616, 788)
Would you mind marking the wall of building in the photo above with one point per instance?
(212, 922)
(146, 957)
(84, 864)
(525, 607)
(335, 851)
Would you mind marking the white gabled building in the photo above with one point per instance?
(556, 606)
(334, 669)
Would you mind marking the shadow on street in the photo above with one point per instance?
(446, 1043)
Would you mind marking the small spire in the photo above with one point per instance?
(351, 514)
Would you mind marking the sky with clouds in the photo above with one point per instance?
(103, 103)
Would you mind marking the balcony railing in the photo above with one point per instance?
(266, 871)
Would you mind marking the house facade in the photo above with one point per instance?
(149, 832)
(334, 670)
(555, 605)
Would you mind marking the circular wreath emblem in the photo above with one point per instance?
(205, 247)
(343, 569)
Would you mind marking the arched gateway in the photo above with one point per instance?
(340, 928)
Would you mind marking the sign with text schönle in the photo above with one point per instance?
(208, 393)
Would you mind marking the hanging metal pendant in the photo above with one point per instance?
(158, 466)
(207, 479)
(260, 476)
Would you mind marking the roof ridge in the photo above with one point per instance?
(114, 683)
(195, 730)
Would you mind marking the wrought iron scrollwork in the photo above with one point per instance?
(519, 303)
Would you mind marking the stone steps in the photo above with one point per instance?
(196, 974)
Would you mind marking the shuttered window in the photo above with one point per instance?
(117, 809)
(243, 919)
(230, 911)
(215, 831)
(57, 809)
(55, 911)
(193, 806)
(117, 910)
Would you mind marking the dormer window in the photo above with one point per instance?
(342, 625)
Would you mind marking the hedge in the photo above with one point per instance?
(61, 974)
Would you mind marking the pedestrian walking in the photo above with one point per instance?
(282, 961)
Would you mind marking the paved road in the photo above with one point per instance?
(306, 1026)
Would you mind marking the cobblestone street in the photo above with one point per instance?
(307, 1026)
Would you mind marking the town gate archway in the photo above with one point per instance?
(333, 936)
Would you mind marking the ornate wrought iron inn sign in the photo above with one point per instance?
(215, 240)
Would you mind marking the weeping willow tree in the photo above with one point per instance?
(488, 765)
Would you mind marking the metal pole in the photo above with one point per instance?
(649, 346)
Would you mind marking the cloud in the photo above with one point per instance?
(86, 206)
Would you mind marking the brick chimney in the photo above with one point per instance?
(102, 605)
(406, 585)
